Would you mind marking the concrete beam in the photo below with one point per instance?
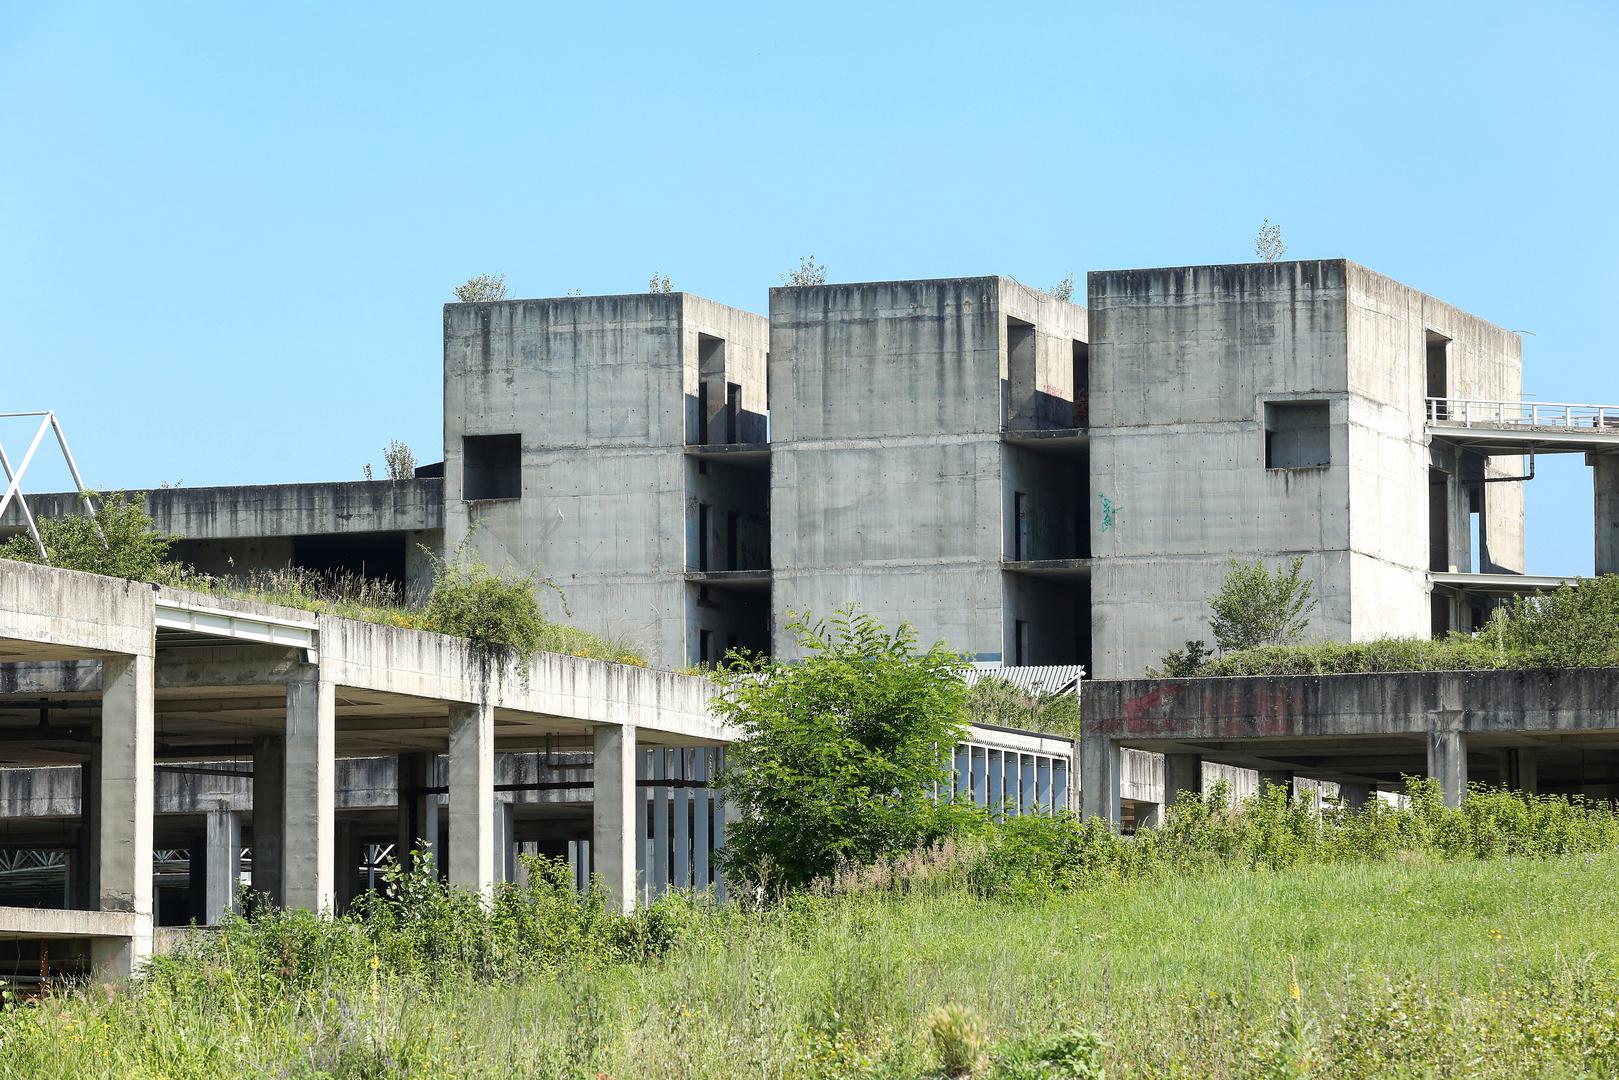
(124, 814)
(1099, 777)
(1447, 763)
(1605, 481)
(614, 834)
(309, 813)
(472, 797)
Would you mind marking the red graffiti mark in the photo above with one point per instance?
(1137, 707)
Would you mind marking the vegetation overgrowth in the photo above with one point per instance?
(1573, 626)
(1257, 940)
(498, 611)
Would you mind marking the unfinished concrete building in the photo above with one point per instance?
(615, 444)
(1268, 411)
(928, 462)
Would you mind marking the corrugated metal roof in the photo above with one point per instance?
(1042, 679)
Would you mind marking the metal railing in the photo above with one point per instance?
(1465, 412)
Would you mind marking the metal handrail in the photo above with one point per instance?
(1468, 412)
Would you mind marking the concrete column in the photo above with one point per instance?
(269, 799)
(505, 833)
(1354, 796)
(86, 862)
(1282, 778)
(124, 815)
(418, 812)
(472, 797)
(309, 813)
(1183, 774)
(224, 848)
(1523, 770)
(1099, 777)
(615, 827)
(1447, 763)
(1605, 479)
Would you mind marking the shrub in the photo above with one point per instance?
(1575, 626)
(840, 754)
(958, 1039)
(1072, 1054)
(122, 541)
(498, 612)
(1258, 607)
(996, 701)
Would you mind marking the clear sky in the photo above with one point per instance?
(226, 230)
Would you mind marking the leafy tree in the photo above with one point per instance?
(1268, 246)
(1257, 607)
(659, 284)
(122, 541)
(1064, 289)
(807, 272)
(841, 753)
(482, 289)
(400, 461)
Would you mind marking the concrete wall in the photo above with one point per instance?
(887, 466)
(273, 510)
(1387, 329)
(603, 392)
(1182, 363)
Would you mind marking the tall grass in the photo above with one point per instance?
(1415, 941)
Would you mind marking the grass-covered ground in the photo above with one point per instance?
(1409, 967)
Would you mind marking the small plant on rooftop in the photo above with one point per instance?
(1268, 245)
(482, 289)
(500, 613)
(1184, 663)
(1064, 289)
(807, 272)
(1257, 606)
(399, 459)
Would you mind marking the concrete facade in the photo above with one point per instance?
(568, 426)
(1268, 411)
(909, 472)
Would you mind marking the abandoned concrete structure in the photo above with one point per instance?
(1032, 481)
(1029, 480)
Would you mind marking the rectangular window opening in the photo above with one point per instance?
(1020, 643)
(491, 467)
(733, 411)
(1475, 528)
(1439, 524)
(1298, 434)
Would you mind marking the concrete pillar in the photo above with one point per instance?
(418, 811)
(472, 797)
(1447, 763)
(1522, 770)
(85, 865)
(224, 847)
(1605, 479)
(309, 813)
(505, 834)
(1099, 777)
(615, 827)
(1282, 778)
(1354, 796)
(124, 814)
(269, 798)
(1183, 774)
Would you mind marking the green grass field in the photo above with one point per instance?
(1491, 968)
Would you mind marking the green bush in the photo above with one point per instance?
(840, 754)
(122, 541)
(996, 701)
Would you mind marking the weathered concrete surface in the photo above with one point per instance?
(48, 614)
(603, 393)
(1372, 729)
(253, 511)
(1185, 362)
(1605, 480)
(472, 797)
(26, 922)
(616, 829)
(890, 481)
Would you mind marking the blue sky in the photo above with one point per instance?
(226, 231)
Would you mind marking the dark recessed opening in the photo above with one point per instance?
(1082, 384)
(1298, 434)
(491, 467)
